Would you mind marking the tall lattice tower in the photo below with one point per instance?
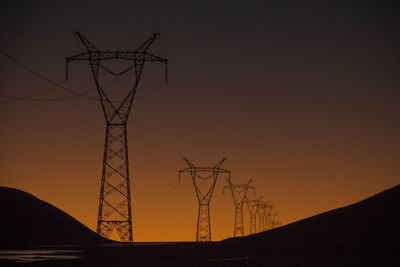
(204, 180)
(239, 193)
(253, 205)
(115, 195)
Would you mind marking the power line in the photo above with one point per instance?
(34, 35)
(86, 119)
(178, 122)
(23, 98)
(154, 161)
(19, 63)
(29, 98)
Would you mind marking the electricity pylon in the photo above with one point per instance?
(239, 193)
(274, 218)
(115, 195)
(262, 214)
(268, 218)
(271, 216)
(204, 191)
(253, 205)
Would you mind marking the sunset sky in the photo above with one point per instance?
(300, 96)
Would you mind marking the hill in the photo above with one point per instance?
(29, 221)
(364, 233)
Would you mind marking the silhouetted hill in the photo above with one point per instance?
(367, 232)
(29, 221)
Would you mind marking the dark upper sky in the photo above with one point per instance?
(301, 96)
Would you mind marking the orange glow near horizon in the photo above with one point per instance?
(302, 177)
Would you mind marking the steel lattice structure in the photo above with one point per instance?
(273, 218)
(239, 194)
(114, 211)
(268, 216)
(253, 206)
(204, 193)
(263, 215)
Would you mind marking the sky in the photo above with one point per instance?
(300, 96)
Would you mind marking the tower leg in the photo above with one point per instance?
(261, 225)
(252, 223)
(115, 196)
(203, 223)
(238, 227)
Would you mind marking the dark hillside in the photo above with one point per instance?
(29, 221)
(366, 231)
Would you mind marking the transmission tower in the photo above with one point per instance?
(261, 212)
(274, 218)
(253, 206)
(267, 215)
(115, 196)
(239, 193)
(271, 216)
(204, 180)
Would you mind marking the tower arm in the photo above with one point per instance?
(147, 43)
(138, 58)
(82, 56)
(187, 170)
(229, 185)
(88, 45)
(222, 170)
(191, 170)
(190, 164)
(226, 187)
(220, 163)
(152, 57)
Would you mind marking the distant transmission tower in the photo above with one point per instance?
(204, 189)
(253, 206)
(115, 196)
(262, 215)
(239, 193)
(267, 215)
(274, 220)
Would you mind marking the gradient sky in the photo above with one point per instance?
(300, 96)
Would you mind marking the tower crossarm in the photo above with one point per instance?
(253, 204)
(195, 170)
(204, 169)
(81, 56)
(139, 56)
(239, 191)
(124, 55)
